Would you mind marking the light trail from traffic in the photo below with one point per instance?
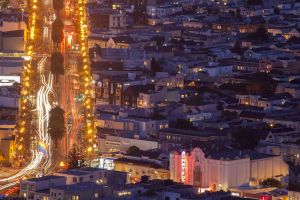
(40, 99)
(43, 107)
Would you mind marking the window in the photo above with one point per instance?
(74, 179)
(96, 195)
(75, 197)
(31, 188)
(91, 177)
(81, 179)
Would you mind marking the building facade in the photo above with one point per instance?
(224, 170)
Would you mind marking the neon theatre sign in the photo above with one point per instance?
(183, 166)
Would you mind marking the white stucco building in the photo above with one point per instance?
(224, 170)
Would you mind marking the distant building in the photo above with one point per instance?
(224, 170)
(110, 143)
(105, 19)
(294, 195)
(163, 10)
(80, 191)
(30, 187)
(12, 41)
(136, 168)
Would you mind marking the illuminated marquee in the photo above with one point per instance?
(183, 166)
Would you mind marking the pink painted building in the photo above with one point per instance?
(224, 170)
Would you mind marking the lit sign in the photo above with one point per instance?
(235, 194)
(183, 166)
(106, 163)
(124, 193)
(202, 190)
(9, 80)
(264, 197)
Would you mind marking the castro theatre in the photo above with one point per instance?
(224, 170)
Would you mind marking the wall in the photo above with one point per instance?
(122, 144)
(12, 26)
(13, 44)
(11, 102)
(262, 169)
(293, 195)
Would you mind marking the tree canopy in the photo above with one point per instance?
(57, 31)
(56, 127)
(139, 12)
(58, 4)
(75, 158)
(133, 150)
(244, 139)
(155, 66)
(271, 182)
(183, 124)
(254, 2)
(237, 48)
(57, 63)
(261, 34)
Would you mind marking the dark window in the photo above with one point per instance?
(74, 180)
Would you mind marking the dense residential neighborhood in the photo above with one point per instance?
(192, 100)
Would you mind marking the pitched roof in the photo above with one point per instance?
(124, 39)
(252, 115)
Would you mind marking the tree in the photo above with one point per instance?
(58, 4)
(155, 66)
(237, 48)
(139, 12)
(271, 182)
(294, 40)
(159, 40)
(261, 34)
(276, 11)
(133, 150)
(56, 127)
(261, 83)
(238, 13)
(183, 124)
(57, 63)
(244, 138)
(57, 31)
(75, 158)
(254, 2)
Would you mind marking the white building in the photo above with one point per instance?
(7, 26)
(294, 195)
(121, 144)
(117, 20)
(224, 170)
(151, 98)
(28, 188)
(163, 11)
(217, 70)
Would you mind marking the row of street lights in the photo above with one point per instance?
(90, 130)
